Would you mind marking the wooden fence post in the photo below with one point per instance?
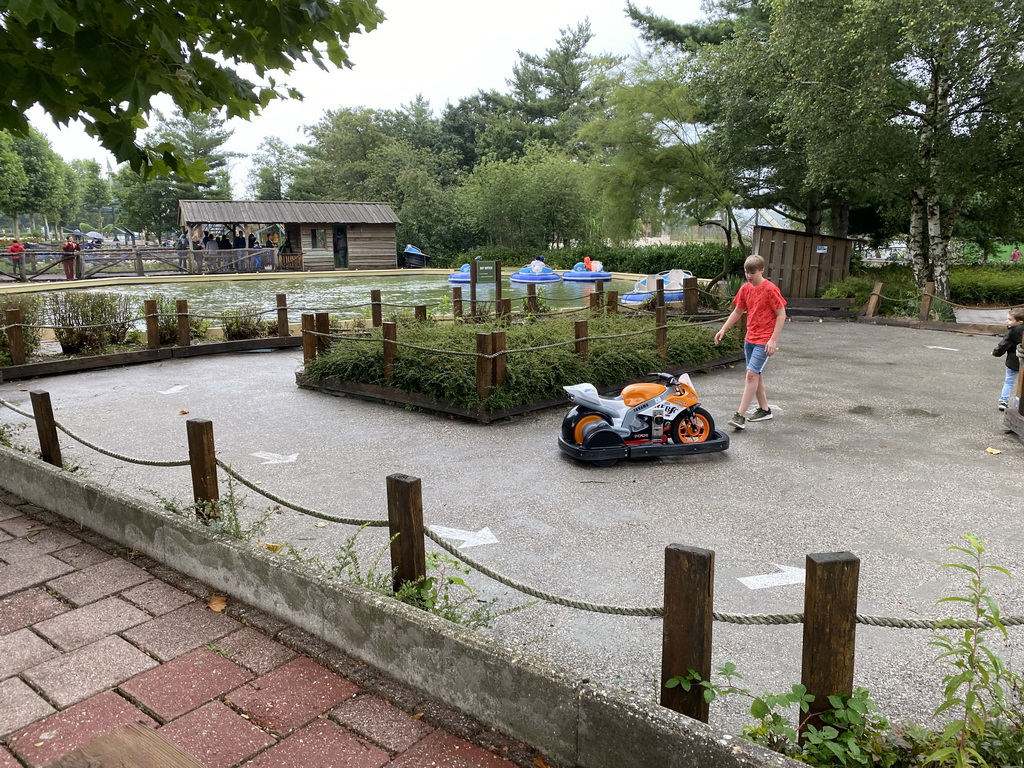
(691, 299)
(457, 301)
(497, 348)
(322, 323)
(308, 339)
(421, 313)
(46, 427)
(375, 313)
(473, 273)
(876, 297)
(405, 522)
(152, 324)
(203, 461)
(484, 366)
(389, 331)
(661, 332)
(582, 342)
(686, 630)
(926, 301)
(15, 336)
(282, 315)
(139, 269)
(830, 626)
(659, 292)
(612, 302)
(531, 298)
(497, 285)
(504, 309)
(595, 301)
(184, 327)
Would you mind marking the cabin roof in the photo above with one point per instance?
(192, 212)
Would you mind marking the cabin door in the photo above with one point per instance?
(340, 247)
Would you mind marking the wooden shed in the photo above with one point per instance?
(318, 235)
(801, 265)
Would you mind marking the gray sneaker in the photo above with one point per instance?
(738, 421)
(760, 415)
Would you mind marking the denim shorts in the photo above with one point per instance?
(757, 356)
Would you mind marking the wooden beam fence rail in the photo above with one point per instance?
(829, 617)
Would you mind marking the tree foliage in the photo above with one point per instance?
(103, 61)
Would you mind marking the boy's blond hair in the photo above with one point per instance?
(753, 263)
(1017, 313)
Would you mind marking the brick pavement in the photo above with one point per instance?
(93, 637)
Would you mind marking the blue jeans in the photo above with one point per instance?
(757, 356)
(1009, 385)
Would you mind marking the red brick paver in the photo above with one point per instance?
(381, 722)
(86, 625)
(187, 682)
(27, 608)
(254, 650)
(217, 736)
(180, 631)
(7, 759)
(443, 750)
(322, 744)
(53, 737)
(97, 581)
(292, 695)
(157, 597)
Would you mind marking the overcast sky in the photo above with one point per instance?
(444, 50)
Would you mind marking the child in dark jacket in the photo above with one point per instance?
(1008, 346)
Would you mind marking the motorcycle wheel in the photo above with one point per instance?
(575, 425)
(695, 428)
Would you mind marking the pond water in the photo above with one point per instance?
(340, 295)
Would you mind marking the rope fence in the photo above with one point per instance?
(684, 605)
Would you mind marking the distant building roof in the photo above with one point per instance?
(283, 212)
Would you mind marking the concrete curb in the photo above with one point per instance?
(574, 721)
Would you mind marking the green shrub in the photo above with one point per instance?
(32, 316)
(247, 323)
(167, 309)
(530, 376)
(998, 284)
(90, 322)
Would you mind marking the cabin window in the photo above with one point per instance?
(319, 238)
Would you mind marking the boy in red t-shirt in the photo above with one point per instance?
(766, 314)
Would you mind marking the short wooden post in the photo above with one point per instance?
(498, 349)
(659, 292)
(405, 522)
(686, 629)
(876, 297)
(484, 366)
(830, 626)
(308, 339)
(531, 299)
(595, 301)
(375, 313)
(504, 309)
(661, 331)
(139, 269)
(184, 327)
(46, 427)
(926, 301)
(691, 299)
(282, 315)
(611, 303)
(582, 340)
(457, 301)
(203, 461)
(497, 284)
(15, 336)
(79, 265)
(421, 313)
(152, 324)
(389, 332)
(322, 324)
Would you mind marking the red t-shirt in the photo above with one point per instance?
(760, 303)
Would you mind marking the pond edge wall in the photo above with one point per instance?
(573, 720)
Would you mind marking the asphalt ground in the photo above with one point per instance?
(878, 447)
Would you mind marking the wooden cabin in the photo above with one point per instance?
(312, 235)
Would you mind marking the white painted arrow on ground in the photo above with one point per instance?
(944, 349)
(172, 390)
(789, 575)
(276, 458)
(468, 538)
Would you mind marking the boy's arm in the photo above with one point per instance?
(1005, 345)
(730, 321)
(772, 345)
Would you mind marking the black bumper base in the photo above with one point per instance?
(719, 442)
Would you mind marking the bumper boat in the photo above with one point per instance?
(586, 271)
(536, 272)
(646, 287)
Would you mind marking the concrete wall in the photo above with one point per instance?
(573, 721)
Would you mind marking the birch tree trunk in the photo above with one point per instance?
(916, 244)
